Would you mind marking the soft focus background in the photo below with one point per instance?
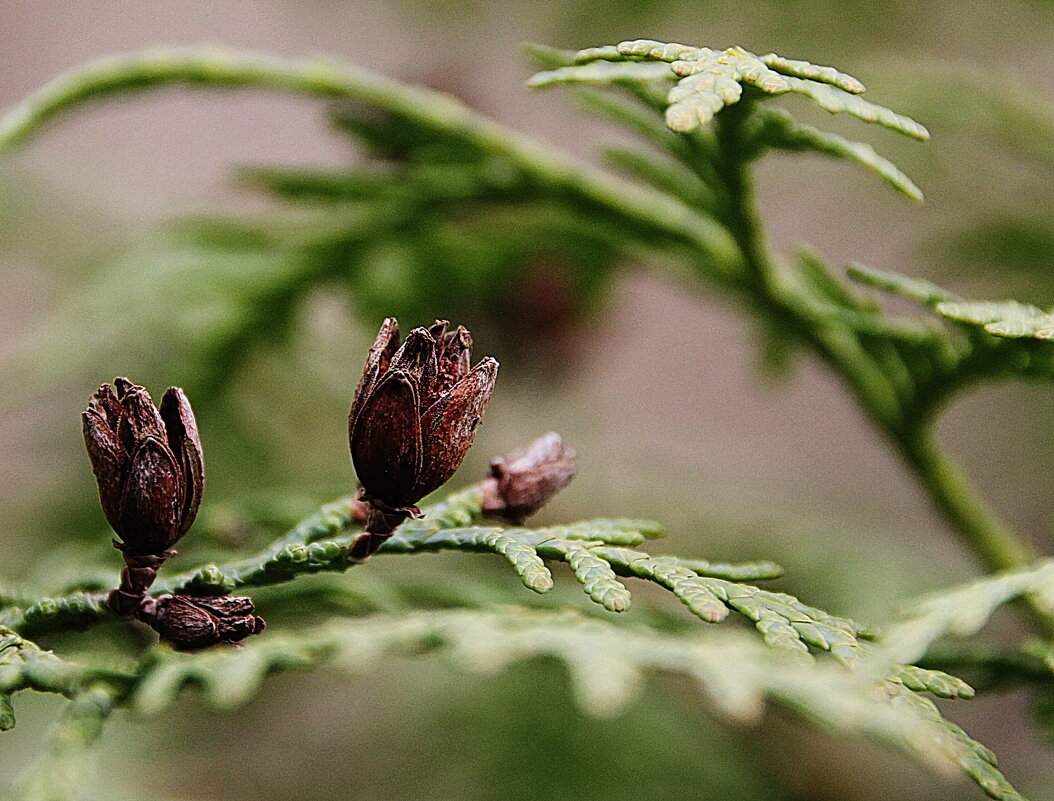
(660, 391)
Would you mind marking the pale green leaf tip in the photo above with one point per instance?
(540, 80)
(540, 584)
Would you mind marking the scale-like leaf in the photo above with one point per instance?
(962, 611)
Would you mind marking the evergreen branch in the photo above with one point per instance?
(73, 610)
(997, 545)
(648, 49)
(25, 666)
(917, 289)
(602, 72)
(444, 118)
(640, 118)
(837, 101)
(973, 758)
(936, 682)
(924, 382)
(782, 619)
(880, 360)
(642, 49)
(742, 571)
(996, 338)
(883, 375)
(415, 108)
(596, 550)
(606, 664)
(597, 578)
(306, 549)
(878, 374)
(662, 174)
(814, 72)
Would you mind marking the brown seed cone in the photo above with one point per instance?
(190, 623)
(147, 463)
(415, 412)
(521, 482)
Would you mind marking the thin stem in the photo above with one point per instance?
(997, 546)
(732, 165)
(380, 525)
(992, 541)
(137, 576)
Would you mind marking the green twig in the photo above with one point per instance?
(994, 543)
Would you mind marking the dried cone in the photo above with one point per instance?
(521, 482)
(412, 421)
(189, 623)
(149, 468)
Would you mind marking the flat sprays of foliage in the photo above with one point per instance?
(454, 202)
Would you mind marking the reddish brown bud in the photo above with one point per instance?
(415, 412)
(523, 481)
(413, 419)
(189, 623)
(147, 462)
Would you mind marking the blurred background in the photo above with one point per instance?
(129, 244)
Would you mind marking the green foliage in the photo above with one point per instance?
(451, 215)
(606, 663)
(25, 666)
(783, 133)
(708, 80)
(61, 772)
(451, 210)
(1005, 319)
(972, 355)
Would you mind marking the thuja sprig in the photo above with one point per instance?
(885, 363)
(606, 664)
(599, 552)
(706, 81)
